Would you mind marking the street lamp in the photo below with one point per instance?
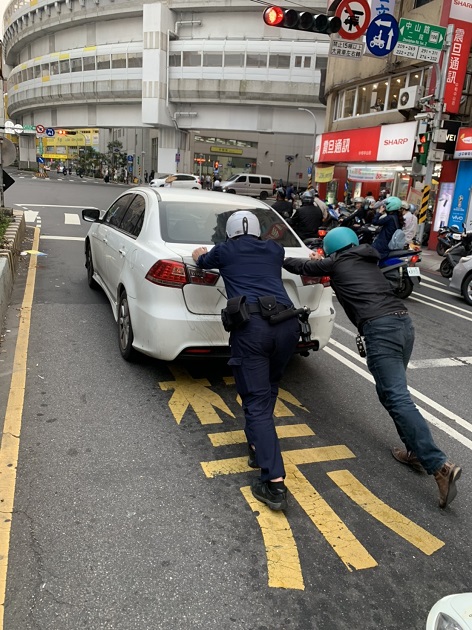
(303, 109)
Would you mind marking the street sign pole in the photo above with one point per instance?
(2, 196)
(436, 124)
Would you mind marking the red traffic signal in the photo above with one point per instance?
(301, 20)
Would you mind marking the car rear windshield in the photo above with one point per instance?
(204, 223)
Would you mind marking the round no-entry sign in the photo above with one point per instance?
(355, 18)
(40, 129)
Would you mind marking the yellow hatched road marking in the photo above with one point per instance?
(337, 534)
(239, 437)
(414, 534)
(315, 455)
(190, 392)
(12, 424)
(283, 562)
(280, 411)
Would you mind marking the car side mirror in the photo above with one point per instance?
(91, 215)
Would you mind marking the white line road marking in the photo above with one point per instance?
(432, 419)
(428, 401)
(430, 286)
(428, 279)
(346, 330)
(30, 216)
(432, 363)
(62, 238)
(71, 219)
(440, 308)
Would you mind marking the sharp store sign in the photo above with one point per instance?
(387, 143)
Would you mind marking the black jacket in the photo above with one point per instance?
(306, 221)
(360, 286)
(284, 208)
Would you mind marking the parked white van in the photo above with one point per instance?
(248, 184)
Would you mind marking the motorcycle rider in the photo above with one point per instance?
(308, 218)
(282, 206)
(260, 350)
(410, 222)
(390, 220)
(382, 319)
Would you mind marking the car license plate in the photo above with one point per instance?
(413, 271)
(456, 237)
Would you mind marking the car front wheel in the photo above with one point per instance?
(466, 289)
(125, 329)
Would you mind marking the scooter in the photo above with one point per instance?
(447, 237)
(455, 253)
(401, 271)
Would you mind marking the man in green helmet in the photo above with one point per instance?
(382, 319)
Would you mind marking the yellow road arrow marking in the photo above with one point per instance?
(280, 411)
(239, 437)
(337, 534)
(401, 525)
(189, 392)
(283, 562)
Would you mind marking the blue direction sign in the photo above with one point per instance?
(40, 160)
(130, 158)
(50, 132)
(382, 35)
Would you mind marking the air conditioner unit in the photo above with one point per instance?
(408, 98)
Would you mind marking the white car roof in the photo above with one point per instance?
(183, 194)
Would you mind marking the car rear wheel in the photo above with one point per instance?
(89, 266)
(466, 289)
(125, 329)
(263, 196)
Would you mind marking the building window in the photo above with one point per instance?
(234, 60)
(321, 62)
(135, 60)
(76, 65)
(349, 102)
(89, 63)
(396, 84)
(64, 65)
(256, 61)
(279, 61)
(212, 60)
(175, 60)
(54, 67)
(30, 73)
(103, 62)
(118, 60)
(421, 3)
(192, 58)
(37, 72)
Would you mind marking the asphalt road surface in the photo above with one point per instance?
(132, 509)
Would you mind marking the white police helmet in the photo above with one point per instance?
(405, 205)
(243, 222)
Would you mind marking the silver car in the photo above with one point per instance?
(461, 280)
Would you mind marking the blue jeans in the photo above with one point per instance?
(260, 353)
(389, 344)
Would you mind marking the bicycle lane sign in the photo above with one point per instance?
(355, 18)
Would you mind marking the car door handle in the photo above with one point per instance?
(122, 251)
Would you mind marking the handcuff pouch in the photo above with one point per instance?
(236, 313)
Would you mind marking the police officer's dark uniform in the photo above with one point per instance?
(308, 218)
(260, 351)
(383, 320)
(282, 206)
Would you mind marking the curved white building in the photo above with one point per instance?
(173, 79)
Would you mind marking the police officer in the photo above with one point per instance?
(389, 218)
(282, 206)
(383, 320)
(308, 218)
(260, 351)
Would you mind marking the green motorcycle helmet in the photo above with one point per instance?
(338, 239)
(392, 203)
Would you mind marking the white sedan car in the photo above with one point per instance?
(176, 180)
(139, 252)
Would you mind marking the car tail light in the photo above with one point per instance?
(324, 280)
(171, 273)
(168, 273)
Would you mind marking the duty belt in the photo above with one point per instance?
(255, 308)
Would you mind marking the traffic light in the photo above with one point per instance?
(216, 165)
(422, 147)
(301, 20)
(65, 132)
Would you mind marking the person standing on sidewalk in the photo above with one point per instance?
(260, 350)
(382, 319)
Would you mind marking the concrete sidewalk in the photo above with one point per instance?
(430, 260)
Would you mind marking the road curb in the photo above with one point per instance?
(9, 256)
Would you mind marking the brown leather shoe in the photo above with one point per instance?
(446, 478)
(407, 457)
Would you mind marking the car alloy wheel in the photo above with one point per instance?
(125, 329)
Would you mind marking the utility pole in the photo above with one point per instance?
(435, 155)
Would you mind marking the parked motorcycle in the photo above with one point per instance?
(447, 237)
(401, 271)
(455, 253)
